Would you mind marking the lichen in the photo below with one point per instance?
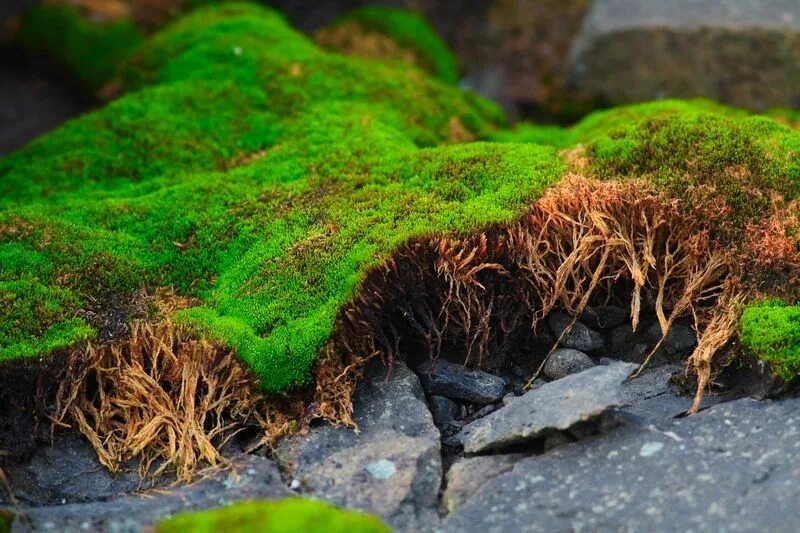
(292, 515)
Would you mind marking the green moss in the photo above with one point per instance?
(771, 330)
(293, 515)
(410, 31)
(251, 170)
(6, 520)
(91, 50)
(684, 143)
(266, 178)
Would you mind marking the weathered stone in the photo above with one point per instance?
(733, 467)
(252, 477)
(604, 316)
(469, 474)
(554, 406)
(740, 52)
(680, 338)
(579, 338)
(566, 361)
(391, 468)
(620, 337)
(444, 410)
(456, 381)
(68, 472)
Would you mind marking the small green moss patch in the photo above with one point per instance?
(285, 516)
(771, 330)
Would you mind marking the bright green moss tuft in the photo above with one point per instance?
(771, 330)
(292, 515)
(411, 31)
(91, 50)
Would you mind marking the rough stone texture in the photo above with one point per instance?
(566, 361)
(252, 477)
(456, 381)
(444, 410)
(579, 338)
(552, 407)
(680, 337)
(468, 475)
(740, 52)
(67, 472)
(733, 467)
(391, 468)
(604, 316)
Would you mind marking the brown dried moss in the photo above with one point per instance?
(585, 242)
(173, 401)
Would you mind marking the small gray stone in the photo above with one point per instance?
(458, 382)
(444, 410)
(604, 316)
(680, 338)
(555, 406)
(566, 361)
(469, 474)
(392, 468)
(579, 338)
(620, 336)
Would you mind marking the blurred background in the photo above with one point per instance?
(542, 60)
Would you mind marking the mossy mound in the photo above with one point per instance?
(255, 172)
(266, 179)
(365, 31)
(293, 515)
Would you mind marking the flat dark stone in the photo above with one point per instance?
(555, 406)
(458, 382)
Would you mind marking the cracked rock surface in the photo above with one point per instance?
(733, 467)
(557, 405)
(252, 477)
(392, 467)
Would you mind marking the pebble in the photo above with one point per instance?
(580, 337)
(565, 361)
(455, 381)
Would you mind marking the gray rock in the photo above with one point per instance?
(444, 410)
(552, 407)
(391, 468)
(579, 338)
(251, 477)
(733, 467)
(740, 52)
(604, 316)
(680, 338)
(469, 474)
(456, 381)
(68, 472)
(620, 337)
(563, 362)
